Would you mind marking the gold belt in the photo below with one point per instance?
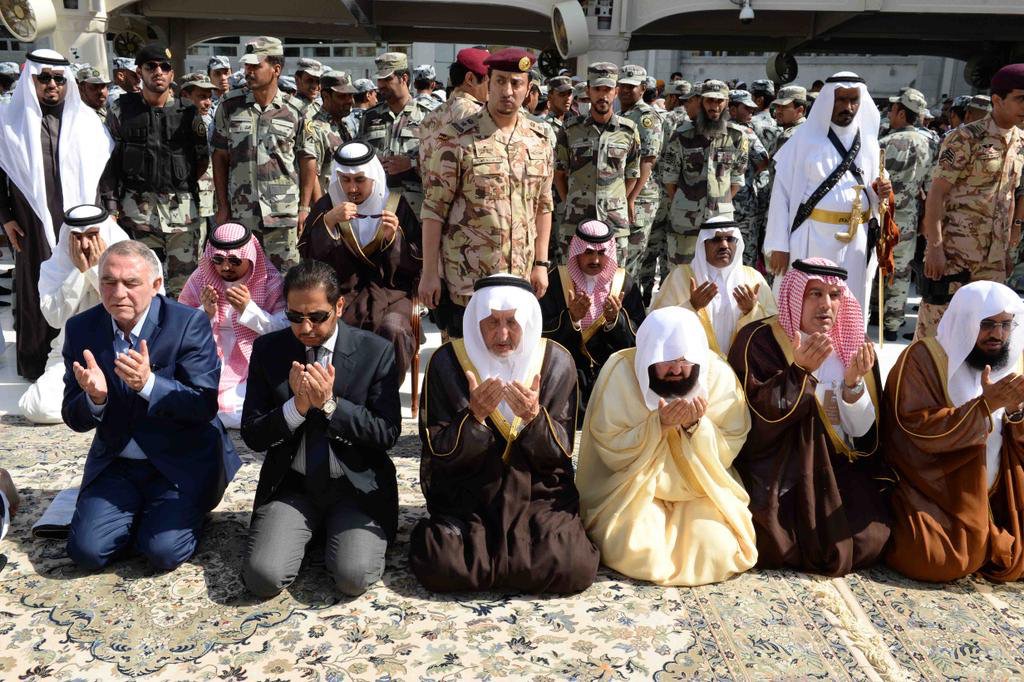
(836, 217)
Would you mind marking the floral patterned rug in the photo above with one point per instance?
(198, 623)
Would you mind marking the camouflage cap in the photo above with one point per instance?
(310, 67)
(650, 83)
(742, 97)
(579, 92)
(125, 63)
(762, 86)
(981, 103)
(364, 85)
(632, 74)
(602, 74)
(536, 78)
(196, 79)
(389, 62)
(218, 61)
(791, 93)
(961, 101)
(713, 89)
(92, 75)
(911, 99)
(424, 72)
(679, 88)
(338, 81)
(9, 69)
(263, 46)
(287, 83)
(559, 84)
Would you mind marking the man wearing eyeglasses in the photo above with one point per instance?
(322, 401)
(956, 442)
(152, 179)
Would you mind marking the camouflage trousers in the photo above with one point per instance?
(680, 246)
(747, 218)
(903, 256)
(169, 224)
(655, 259)
(281, 244)
(178, 253)
(639, 236)
(929, 315)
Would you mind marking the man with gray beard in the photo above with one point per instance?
(706, 161)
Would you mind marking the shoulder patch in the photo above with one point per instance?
(647, 121)
(625, 122)
(199, 126)
(309, 127)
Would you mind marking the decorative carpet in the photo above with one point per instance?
(199, 623)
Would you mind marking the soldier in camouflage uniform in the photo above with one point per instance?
(748, 200)
(423, 77)
(597, 163)
(364, 99)
(152, 177)
(908, 159)
(469, 75)
(790, 107)
(762, 92)
(560, 99)
(199, 89)
(93, 88)
(972, 219)
(488, 204)
(9, 73)
(307, 84)
(324, 131)
(646, 193)
(257, 131)
(703, 167)
(397, 144)
(126, 79)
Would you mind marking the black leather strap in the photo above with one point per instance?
(804, 211)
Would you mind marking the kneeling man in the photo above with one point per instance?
(809, 464)
(497, 423)
(726, 294)
(957, 442)
(657, 490)
(143, 370)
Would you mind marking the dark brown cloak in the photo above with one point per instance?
(503, 514)
(817, 504)
(946, 522)
(378, 280)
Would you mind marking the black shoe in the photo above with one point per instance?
(890, 335)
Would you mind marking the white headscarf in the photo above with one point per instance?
(85, 144)
(365, 228)
(517, 365)
(670, 334)
(725, 312)
(958, 334)
(812, 134)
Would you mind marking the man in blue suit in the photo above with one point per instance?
(143, 371)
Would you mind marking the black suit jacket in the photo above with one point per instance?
(364, 426)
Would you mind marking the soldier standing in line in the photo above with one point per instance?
(468, 75)
(645, 195)
(423, 77)
(392, 127)
(93, 88)
(257, 131)
(125, 79)
(307, 84)
(762, 92)
(218, 69)
(488, 204)
(790, 113)
(198, 89)
(160, 152)
(365, 98)
(560, 100)
(748, 200)
(978, 108)
(324, 131)
(908, 159)
(703, 168)
(597, 163)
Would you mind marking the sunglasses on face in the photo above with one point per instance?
(316, 317)
(233, 261)
(728, 240)
(45, 78)
(153, 66)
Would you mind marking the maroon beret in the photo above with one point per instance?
(1010, 77)
(474, 59)
(514, 59)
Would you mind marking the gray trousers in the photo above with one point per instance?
(354, 554)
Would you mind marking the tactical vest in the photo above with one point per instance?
(157, 146)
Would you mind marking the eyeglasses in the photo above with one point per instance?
(316, 317)
(45, 78)
(992, 325)
(727, 239)
(369, 215)
(219, 259)
(153, 66)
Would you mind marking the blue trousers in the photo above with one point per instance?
(131, 505)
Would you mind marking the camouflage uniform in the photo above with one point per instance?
(647, 203)
(379, 131)
(262, 181)
(984, 168)
(747, 202)
(486, 188)
(766, 128)
(703, 171)
(459, 106)
(321, 135)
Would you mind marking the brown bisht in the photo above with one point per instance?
(378, 280)
(818, 505)
(947, 523)
(504, 510)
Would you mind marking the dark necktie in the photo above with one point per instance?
(318, 449)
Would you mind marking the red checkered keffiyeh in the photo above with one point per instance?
(603, 283)
(847, 334)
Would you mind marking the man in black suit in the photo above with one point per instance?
(322, 400)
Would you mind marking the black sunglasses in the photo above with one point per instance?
(316, 317)
(152, 66)
(728, 240)
(219, 259)
(45, 78)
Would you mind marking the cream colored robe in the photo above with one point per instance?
(661, 505)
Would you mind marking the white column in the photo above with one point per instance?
(81, 35)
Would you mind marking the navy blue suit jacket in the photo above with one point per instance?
(177, 427)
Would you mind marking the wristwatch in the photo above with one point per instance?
(329, 407)
(542, 263)
(855, 391)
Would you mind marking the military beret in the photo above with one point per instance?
(1010, 77)
(602, 74)
(632, 74)
(513, 59)
(473, 58)
(153, 52)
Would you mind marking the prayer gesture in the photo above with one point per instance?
(342, 213)
(524, 402)
(91, 379)
(208, 297)
(810, 354)
(238, 296)
(860, 364)
(1008, 392)
(85, 253)
(133, 367)
(701, 295)
(388, 225)
(298, 387)
(318, 384)
(683, 412)
(612, 306)
(579, 305)
(746, 297)
(484, 398)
